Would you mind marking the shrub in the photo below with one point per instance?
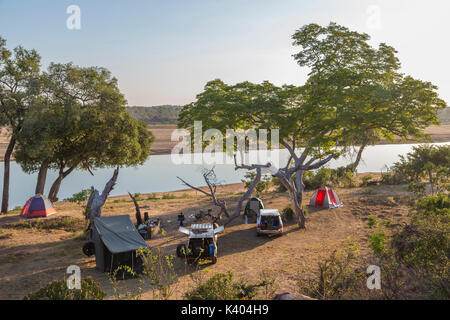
(336, 279)
(262, 185)
(365, 180)
(279, 187)
(57, 290)
(377, 242)
(168, 196)
(371, 221)
(421, 251)
(222, 286)
(287, 213)
(317, 179)
(438, 204)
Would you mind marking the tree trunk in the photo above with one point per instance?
(7, 163)
(352, 167)
(295, 195)
(42, 176)
(54, 190)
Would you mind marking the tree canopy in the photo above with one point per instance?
(80, 123)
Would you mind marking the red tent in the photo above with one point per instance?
(325, 198)
(37, 206)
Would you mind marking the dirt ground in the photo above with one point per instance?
(164, 145)
(30, 258)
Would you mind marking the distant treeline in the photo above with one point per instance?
(169, 114)
(156, 114)
(444, 116)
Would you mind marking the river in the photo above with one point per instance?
(159, 174)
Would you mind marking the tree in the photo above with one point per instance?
(375, 100)
(82, 123)
(19, 89)
(321, 120)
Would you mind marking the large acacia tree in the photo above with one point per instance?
(81, 122)
(19, 89)
(354, 95)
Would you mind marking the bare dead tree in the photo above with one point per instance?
(97, 200)
(209, 177)
(138, 210)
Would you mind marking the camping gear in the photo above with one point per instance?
(252, 208)
(269, 222)
(202, 243)
(116, 241)
(37, 206)
(325, 198)
(181, 219)
(142, 229)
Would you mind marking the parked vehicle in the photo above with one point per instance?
(269, 222)
(202, 243)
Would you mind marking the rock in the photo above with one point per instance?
(292, 296)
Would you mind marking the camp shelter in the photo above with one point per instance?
(325, 198)
(37, 206)
(253, 206)
(116, 240)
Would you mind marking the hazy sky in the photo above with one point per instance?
(163, 52)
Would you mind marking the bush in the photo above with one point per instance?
(421, 250)
(263, 184)
(168, 196)
(279, 187)
(57, 290)
(438, 204)
(426, 163)
(365, 180)
(287, 213)
(336, 279)
(222, 286)
(317, 179)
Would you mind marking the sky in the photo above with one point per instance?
(164, 52)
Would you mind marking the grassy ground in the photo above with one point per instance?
(32, 253)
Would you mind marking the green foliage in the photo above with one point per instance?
(159, 271)
(168, 196)
(279, 187)
(287, 213)
(222, 286)
(81, 122)
(262, 185)
(421, 249)
(377, 242)
(426, 163)
(371, 221)
(436, 205)
(365, 180)
(57, 290)
(339, 177)
(336, 278)
(79, 197)
(317, 179)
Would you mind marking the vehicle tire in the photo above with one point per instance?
(181, 250)
(214, 260)
(89, 248)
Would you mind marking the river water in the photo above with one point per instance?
(159, 174)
